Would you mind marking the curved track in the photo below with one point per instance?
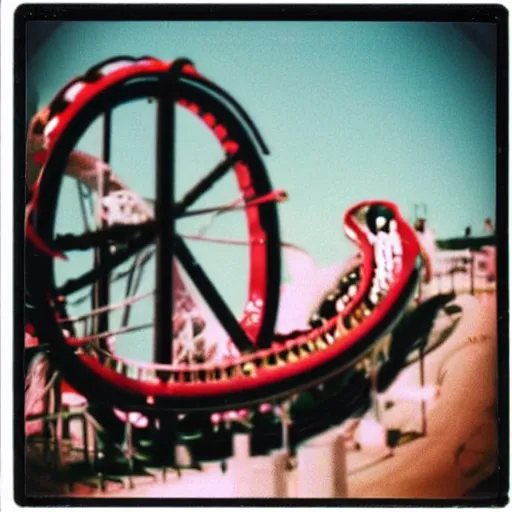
(274, 366)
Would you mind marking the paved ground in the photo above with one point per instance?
(460, 447)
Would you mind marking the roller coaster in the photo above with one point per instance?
(214, 371)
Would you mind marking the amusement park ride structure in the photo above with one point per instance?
(193, 387)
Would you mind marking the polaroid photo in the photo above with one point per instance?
(259, 255)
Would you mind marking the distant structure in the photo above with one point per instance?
(445, 255)
(427, 238)
(420, 217)
(489, 227)
(419, 225)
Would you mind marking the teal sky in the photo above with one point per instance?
(399, 111)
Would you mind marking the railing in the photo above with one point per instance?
(461, 271)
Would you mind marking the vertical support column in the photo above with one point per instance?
(85, 437)
(373, 379)
(47, 430)
(241, 448)
(340, 468)
(102, 285)
(165, 147)
(130, 451)
(285, 476)
(322, 467)
(268, 476)
(164, 206)
(101, 289)
(472, 272)
(57, 407)
(285, 424)
(422, 385)
(284, 464)
(241, 471)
